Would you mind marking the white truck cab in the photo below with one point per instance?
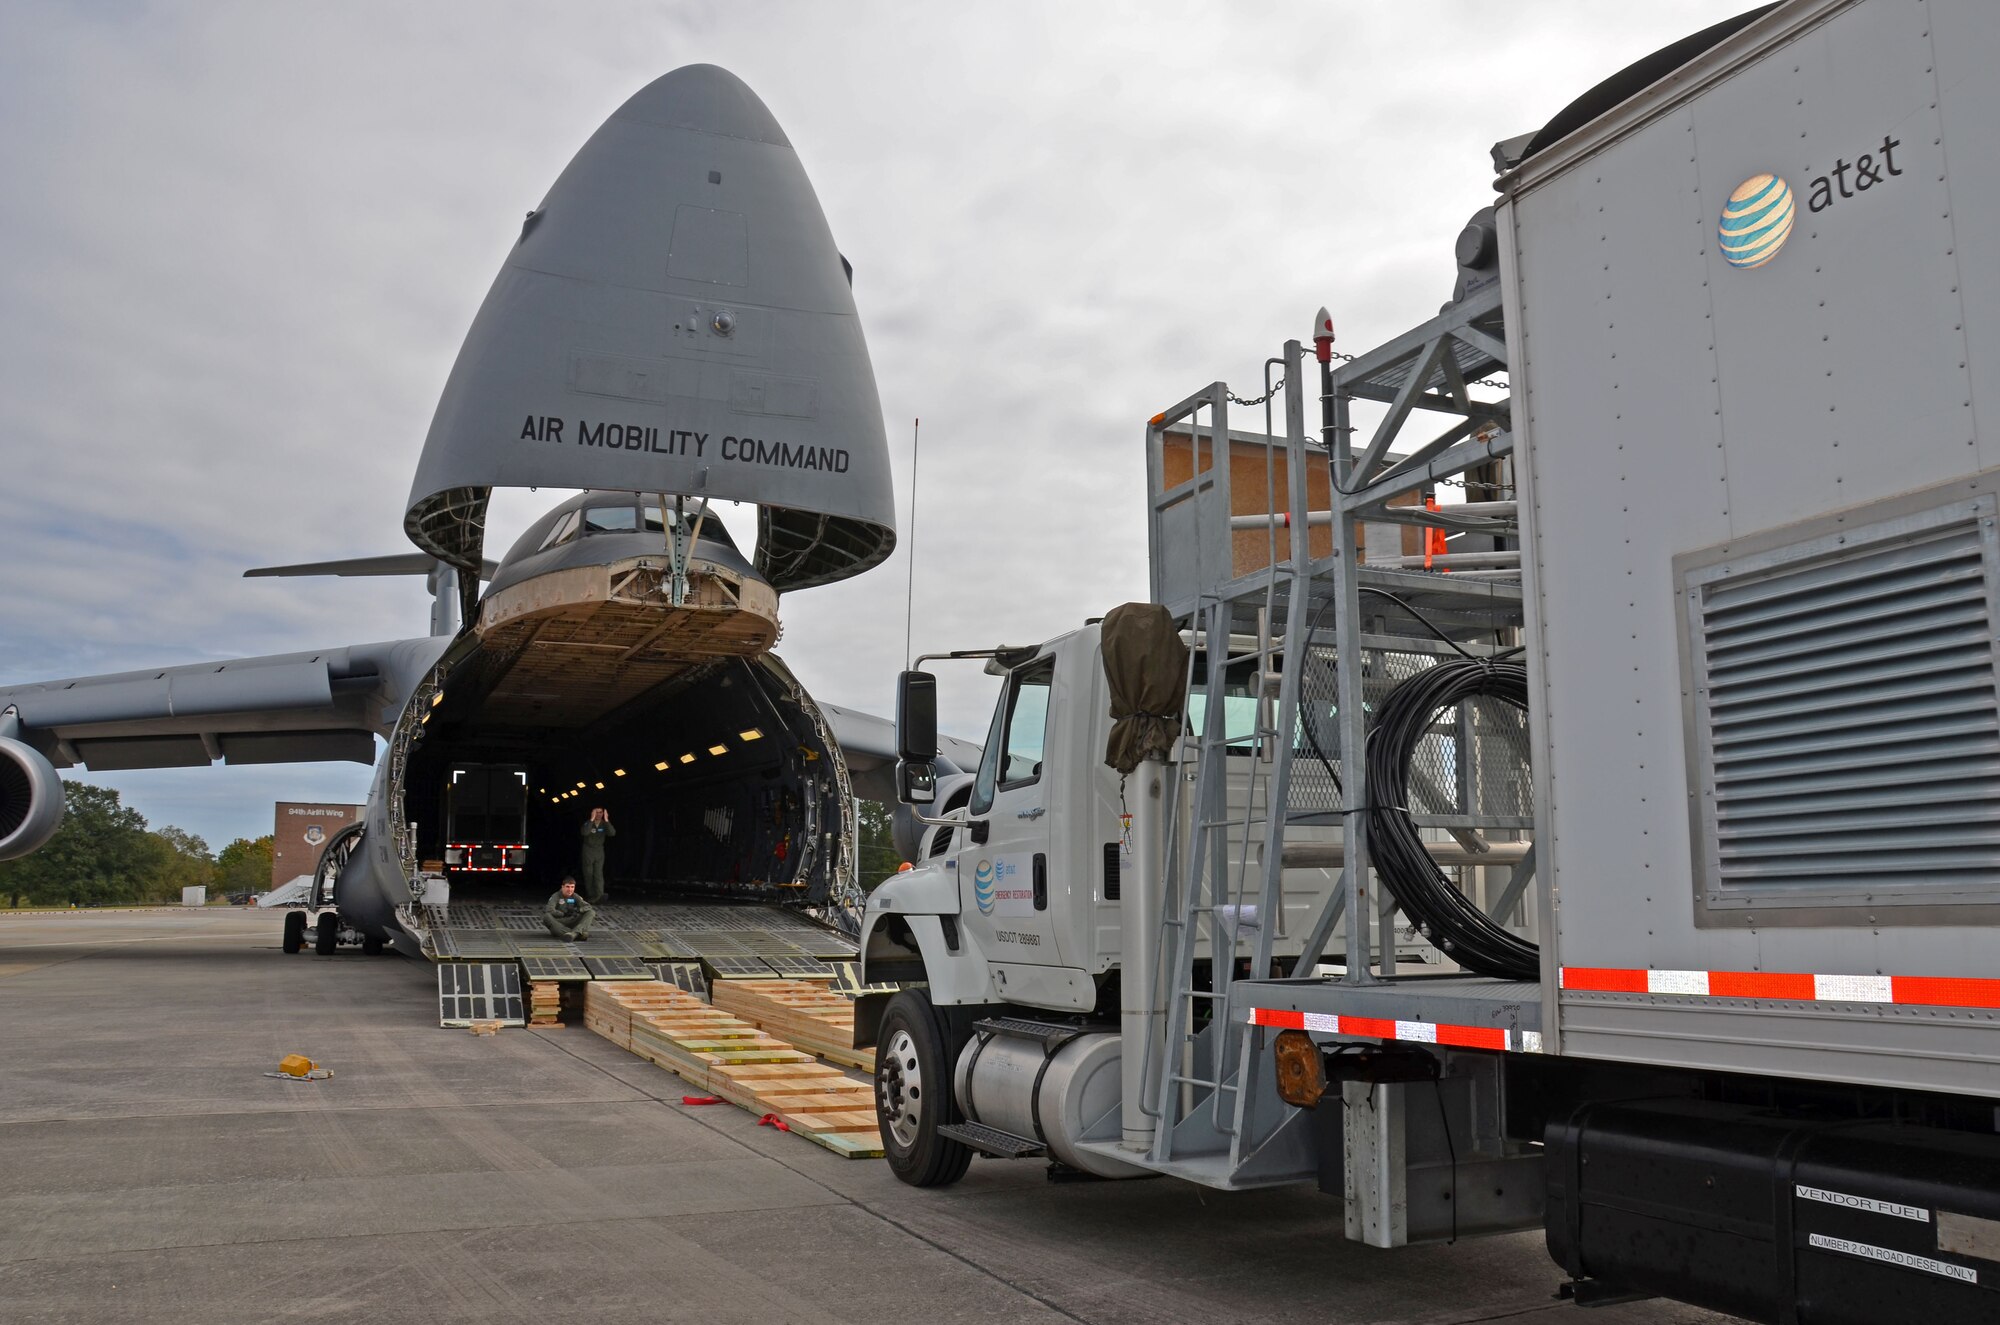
(1018, 901)
(1022, 905)
(1019, 925)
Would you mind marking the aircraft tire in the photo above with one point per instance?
(295, 930)
(913, 1094)
(326, 933)
(371, 945)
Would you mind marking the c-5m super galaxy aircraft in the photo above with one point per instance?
(674, 325)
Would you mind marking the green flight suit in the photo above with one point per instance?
(590, 877)
(568, 917)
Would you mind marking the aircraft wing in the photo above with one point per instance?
(285, 708)
(869, 743)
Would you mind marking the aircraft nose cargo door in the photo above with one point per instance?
(1004, 881)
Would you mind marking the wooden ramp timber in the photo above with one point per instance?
(805, 1014)
(727, 1057)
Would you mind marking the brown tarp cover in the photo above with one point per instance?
(1146, 664)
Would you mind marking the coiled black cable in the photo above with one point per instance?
(1444, 914)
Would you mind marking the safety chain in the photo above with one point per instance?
(1235, 399)
(1505, 489)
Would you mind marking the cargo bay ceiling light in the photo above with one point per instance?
(687, 758)
(617, 773)
(662, 765)
(718, 749)
(754, 734)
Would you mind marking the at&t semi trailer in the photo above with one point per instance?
(1615, 850)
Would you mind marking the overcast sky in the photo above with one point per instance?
(243, 241)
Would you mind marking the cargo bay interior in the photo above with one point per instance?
(718, 782)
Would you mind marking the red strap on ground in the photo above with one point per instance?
(773, 1120)
(701, 1099)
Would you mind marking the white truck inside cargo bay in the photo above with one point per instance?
(1615, 852)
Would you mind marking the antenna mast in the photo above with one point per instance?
(910, 600)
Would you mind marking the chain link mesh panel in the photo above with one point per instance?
(1472, 764)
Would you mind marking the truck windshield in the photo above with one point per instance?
(1013, 756)
(1239, 704)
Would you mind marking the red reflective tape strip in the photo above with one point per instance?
(1604, 979)
(1944, 991)
(1758, 984)
(1788, 986)
(1382, 1028)
(1473, 1037)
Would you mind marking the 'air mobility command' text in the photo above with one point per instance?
(682, 442)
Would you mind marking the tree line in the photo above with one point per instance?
(105, 855)
(877, 845)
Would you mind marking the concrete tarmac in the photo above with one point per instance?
(150, 1172)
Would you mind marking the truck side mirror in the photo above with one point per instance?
(916, 782)
(916, 718)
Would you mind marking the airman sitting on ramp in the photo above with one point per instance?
(567, 915)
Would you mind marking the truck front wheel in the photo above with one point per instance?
(913, 1093)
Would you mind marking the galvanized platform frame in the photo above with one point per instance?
(1463, 342)
(1218, 1119)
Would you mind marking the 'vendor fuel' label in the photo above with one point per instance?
(1867, 1205)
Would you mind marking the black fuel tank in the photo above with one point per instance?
(1778, 1219)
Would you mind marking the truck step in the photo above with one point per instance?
(1051, 1035)
(992, 1141)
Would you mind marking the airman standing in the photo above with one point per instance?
(595, 831)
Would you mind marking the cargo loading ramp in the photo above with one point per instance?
(728, 939)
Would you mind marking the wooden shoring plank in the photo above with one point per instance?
(795, 1072)
(849, 1145)
(731, 1058)
(811, 1089)
(819, 1103)
(852, 1120)
(804, 1014)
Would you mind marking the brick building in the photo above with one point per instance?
(301, 830)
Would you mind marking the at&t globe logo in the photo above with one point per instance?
(982, 887)
(1756, 221)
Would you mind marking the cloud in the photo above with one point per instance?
(246, 239)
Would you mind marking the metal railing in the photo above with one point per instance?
(1238, 557)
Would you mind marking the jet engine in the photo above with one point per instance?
(31, 799)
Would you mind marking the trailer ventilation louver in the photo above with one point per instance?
(1844, 714)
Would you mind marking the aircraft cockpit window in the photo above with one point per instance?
(651, 521)
(611, 520)
(564, 531)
